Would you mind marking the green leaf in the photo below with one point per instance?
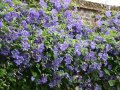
(1, 5)
(2, 72)
(34, 74)
(0, 46)
(16, 2)
(118, 87)
(29, 26)
(107, 72)
(112, 82)
(11, 9)
(63, 26)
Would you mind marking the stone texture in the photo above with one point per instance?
(87, 16)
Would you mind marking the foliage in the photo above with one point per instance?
(46, 47)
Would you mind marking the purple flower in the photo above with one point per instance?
(103, 56)
(77, 46)
(39, 33)
(110, 22)
(41, 12)
(70, 67)
(79, 25)
(91, 56)
(108, 13)
(76, 51)
(98, 17)
(117, 15)
(25, 46)
(64, 46)
(100, 55)
(54, 21)
(55, 50)
(41, 48)
(69, 26)
(107, 32)
(26, 59)
(5, 51)
(109, 67)
(25, 39)
(96, 87)
(11, 35)
(99, 39)
(8, 17)
(24, 24)
(43, 4)
(116, 21)
(9, 2)
(68, 15)
(57, 4)
(15, 54)
(113, 28)
(75, 9)
(38, 40)
(1, 24)
(33, 14)
(56, 63)
(92, 45)
(108, 47)
(14, 14)
(24, 1)
(38, 58)
(101, 73)
(54, 12)
(24, 33)
(99, 23)
(68, 59)
(14, 35)
(96, 66)
(32, 78)
(19, 61)
(99, 66)
(88, 84)
(55, 82)
(66, 3)
(46, 23)
(105, 63)
(43, 80)
(84, 66)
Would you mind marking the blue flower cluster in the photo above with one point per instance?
(49, 47)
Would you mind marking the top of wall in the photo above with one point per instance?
(95, 6)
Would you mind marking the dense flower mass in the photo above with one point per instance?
(1, 24)
(46, 46)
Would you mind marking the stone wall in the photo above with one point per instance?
(88, 10)
(87, 16)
